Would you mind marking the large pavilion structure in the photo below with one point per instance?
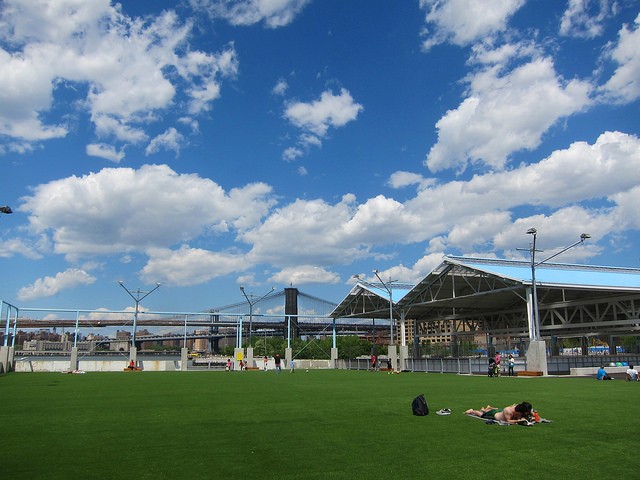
(492, 297)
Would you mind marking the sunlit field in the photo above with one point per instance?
(315, 425)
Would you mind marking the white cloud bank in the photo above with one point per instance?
(130, 68)
(160, 214)
(120, 210)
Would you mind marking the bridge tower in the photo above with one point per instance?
(291, 308)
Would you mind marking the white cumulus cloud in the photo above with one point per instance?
(463, 22)
(505, 113)
(304, 275)
(584, 18)
(169, 140)
(121, 210)
(274, 13)
(317, 117)
(190, 266)
(624, 84)
(130, 69)
(108, 152)
(49, 286)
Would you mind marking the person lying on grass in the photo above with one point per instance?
(511, 414)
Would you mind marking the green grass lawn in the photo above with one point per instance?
(316, 425)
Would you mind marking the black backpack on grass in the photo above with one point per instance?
(419, 406)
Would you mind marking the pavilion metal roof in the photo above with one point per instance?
(556, 274)
(367, 300)
(470, 286)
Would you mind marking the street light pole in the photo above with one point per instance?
(535, 307)
(535, 334)
(138, 297)
(390, 292)
(251, 303)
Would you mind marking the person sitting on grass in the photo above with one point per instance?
(512, 414)
(602, 374)
(632, 374)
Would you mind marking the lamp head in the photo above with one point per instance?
(242, 288)
(376, 271)
(120, 282)
(584, 236)
(532, 231)
(356, 276)
(6, 209)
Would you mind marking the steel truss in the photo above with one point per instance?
(461, 301)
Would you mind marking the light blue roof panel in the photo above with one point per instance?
(397, 292)
(558, 273)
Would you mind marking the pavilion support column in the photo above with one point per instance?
(6, 359)
(184, 359)
(404, 356)
(238, 356)
(73, 364)
(288, 356)
(393, 356)
(4, 352)
(537, 357)
(334, 343)
(250, 362)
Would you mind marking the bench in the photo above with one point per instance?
(136, 369)
(529, 373)
(588, 371)
(252, 368)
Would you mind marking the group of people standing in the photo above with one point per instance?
(276, 359)
(374, 363)
(494, 365)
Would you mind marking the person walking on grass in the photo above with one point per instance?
(277, 361)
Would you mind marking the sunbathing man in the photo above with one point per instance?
(511, 414)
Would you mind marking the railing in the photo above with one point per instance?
(559, 365)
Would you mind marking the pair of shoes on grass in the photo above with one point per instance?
(526, 423)
(444, 411)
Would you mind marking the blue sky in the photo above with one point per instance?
(208, 144)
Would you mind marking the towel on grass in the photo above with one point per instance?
(524, 422)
